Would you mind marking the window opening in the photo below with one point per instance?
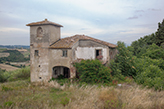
(39, 32)
(99, 54)
(36, 52)
(64, 53)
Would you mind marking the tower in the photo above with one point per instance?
(42, 35)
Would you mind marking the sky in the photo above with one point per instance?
(107, 20)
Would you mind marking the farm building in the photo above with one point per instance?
(51, 55)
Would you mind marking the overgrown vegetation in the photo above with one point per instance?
(93, 71)
(143, 60)
(49, 95)
(19, 74)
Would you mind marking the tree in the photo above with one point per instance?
(160, 33)
(154, 52)
(142, 44)
(124, 62)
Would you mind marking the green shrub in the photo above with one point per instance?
(8, 103)
(154, 52)
(20, 74)
(93, 71)
(152, 76)
(3, 78)
(64, 101)
(61, 76)
(124, 62)
(142, 63)
(4, 88)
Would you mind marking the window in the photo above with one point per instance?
(64, 53)
(99, 54)
(39, 32)
(36, 53)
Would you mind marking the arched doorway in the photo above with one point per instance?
(60, 70)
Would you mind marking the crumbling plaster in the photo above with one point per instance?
(48, 58)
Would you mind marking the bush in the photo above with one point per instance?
(152, 76)
(2, 76)
(154, 52)
(124, 62)
(64, 101)
(93, 71)
(142, 63)
(20, 74)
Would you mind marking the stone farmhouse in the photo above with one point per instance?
(51, 55)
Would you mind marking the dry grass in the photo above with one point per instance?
(23, 94)
(8, 67)
(4, 54)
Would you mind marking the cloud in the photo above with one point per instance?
(138, 11)
(134, 17)
(153, 9)
(103, 19)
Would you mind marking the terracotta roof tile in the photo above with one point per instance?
(68, 42)
(44, 22)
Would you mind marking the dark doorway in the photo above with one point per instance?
(66, 72)
(60, 70)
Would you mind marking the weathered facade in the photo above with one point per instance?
(52, 56)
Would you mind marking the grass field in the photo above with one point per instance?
(8, 67)
(50, 95)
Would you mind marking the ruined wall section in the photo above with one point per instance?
(87, 50)
(74, 48)
(113, 52)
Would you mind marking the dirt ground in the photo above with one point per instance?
(8, 67)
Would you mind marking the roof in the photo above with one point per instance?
(68, 42)
(44, 22)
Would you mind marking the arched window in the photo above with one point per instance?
(39, 32)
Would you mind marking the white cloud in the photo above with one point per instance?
(76, 26)
(103, 19)
(13, 30)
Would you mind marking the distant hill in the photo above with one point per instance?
(15, 46)
(15, 56)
